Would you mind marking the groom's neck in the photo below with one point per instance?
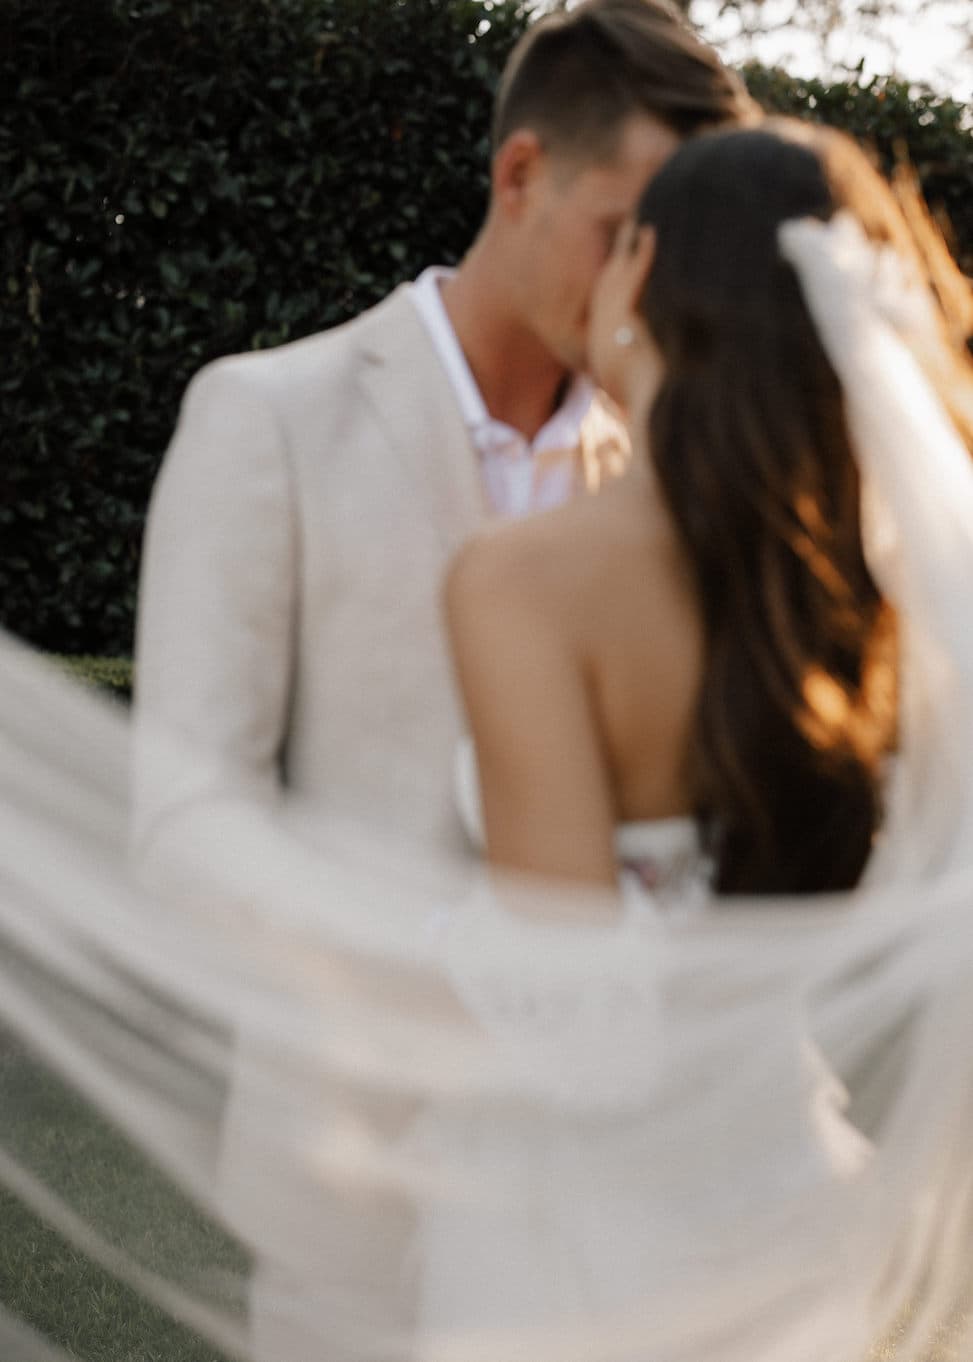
(520, 381)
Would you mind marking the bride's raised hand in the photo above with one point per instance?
(619, 342)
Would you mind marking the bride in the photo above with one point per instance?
(696, 684)
(579, 1108)
(706, 641)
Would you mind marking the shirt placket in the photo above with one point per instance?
(554, 476)
(508, 470)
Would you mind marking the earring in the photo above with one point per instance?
(624, 336)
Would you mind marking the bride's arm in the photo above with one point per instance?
(525, 683)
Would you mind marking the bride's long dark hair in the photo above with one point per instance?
(749, 440)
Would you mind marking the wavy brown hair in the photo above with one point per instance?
(750, 443)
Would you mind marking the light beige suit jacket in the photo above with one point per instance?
(289, 622)
(289, 637)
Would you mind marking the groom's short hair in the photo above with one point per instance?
(577, 75)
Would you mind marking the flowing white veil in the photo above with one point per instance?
(399, 1110)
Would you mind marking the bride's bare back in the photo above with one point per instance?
(578, 650)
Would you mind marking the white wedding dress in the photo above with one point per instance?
(563, 1243)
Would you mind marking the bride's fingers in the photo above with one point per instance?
(624, 240)
(643, 252)
(633, 268)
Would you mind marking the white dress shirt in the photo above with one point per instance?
(519, 475)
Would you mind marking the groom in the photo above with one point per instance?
(289, 628)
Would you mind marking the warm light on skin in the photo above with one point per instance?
(567, 217)
(622, 357)
(520, 302)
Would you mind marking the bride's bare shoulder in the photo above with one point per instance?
(560, 564)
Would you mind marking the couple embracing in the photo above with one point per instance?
(725, 654)
(291, 614)
(702, 644)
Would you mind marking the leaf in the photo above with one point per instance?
(171, 272)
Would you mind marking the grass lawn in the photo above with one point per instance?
(46, 1281)
(76, 1304)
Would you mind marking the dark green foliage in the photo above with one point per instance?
(113, 675)
(184, 178)
(934, 133)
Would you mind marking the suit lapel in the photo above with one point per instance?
(408, 391)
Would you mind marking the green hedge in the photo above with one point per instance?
(186, 178)
(935, 133)
(114, 675)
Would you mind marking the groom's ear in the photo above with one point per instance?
(517, 165)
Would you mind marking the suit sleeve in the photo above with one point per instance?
(216, 616)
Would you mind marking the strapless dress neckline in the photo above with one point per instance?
(661, 855)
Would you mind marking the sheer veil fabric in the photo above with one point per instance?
(475, 1119)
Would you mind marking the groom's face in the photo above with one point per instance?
(575, 210)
